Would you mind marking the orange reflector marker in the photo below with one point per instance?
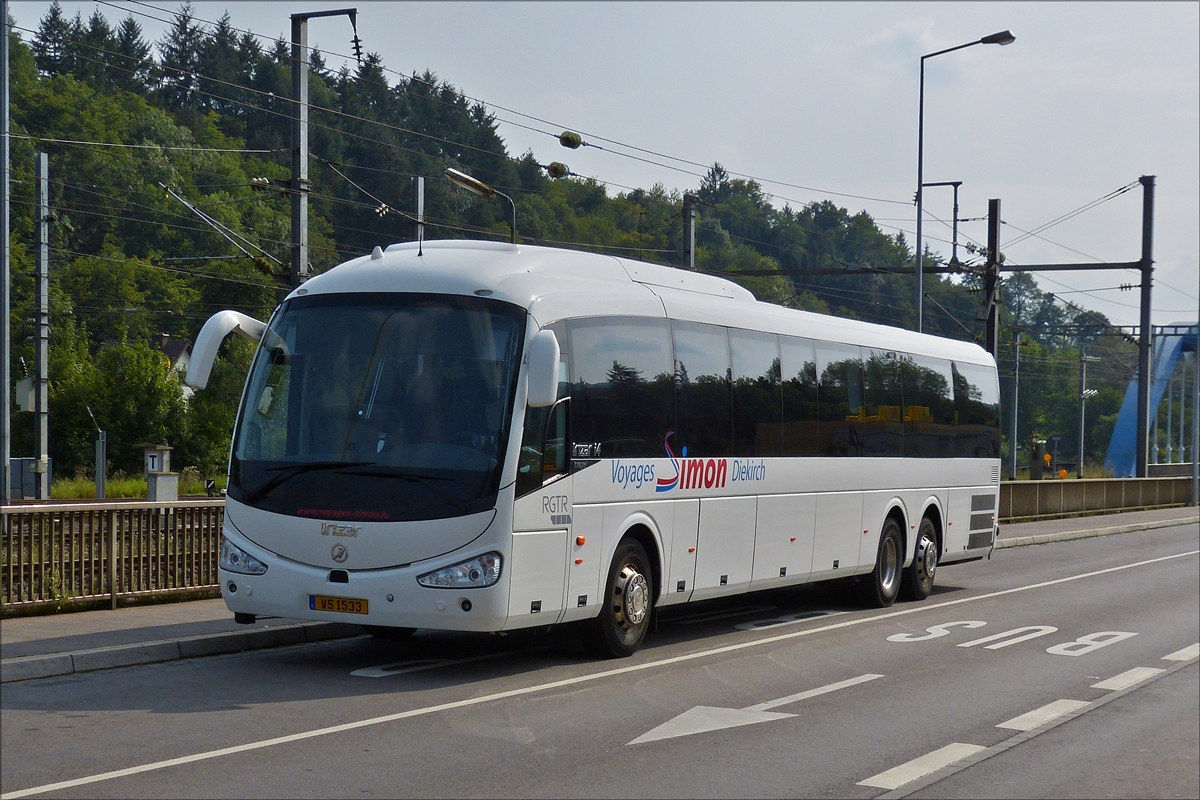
(579, 561)
(793, 538)
(691, 549)
(580, 540)
(866, 530)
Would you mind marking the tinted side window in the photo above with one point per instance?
(757, 402)
(702, 389)
(977, 411)
(884, 417)
(928, 407)
(622, 391)
(840, 394)
(798, 363)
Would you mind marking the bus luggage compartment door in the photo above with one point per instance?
(725, 546)
(537, 571)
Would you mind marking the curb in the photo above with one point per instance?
(1064, 536)
(24, 668)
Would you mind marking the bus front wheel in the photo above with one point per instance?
(918, 578)
(625, 614)
(883, 584)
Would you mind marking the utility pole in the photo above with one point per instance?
(1084, 394)
(41, 380)
(300, 185)
(5, 271)
(1196, 418)
(954, 227)
(418, 210)
(991, 279)
(1147, 332)
(1012, 473)
(689, 230)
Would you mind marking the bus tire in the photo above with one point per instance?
(918, 578)
(883, 584)
(624, 616)
(388, 633)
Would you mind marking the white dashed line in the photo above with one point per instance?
(929, 763)
(1127, 678)
(1186, 654)
(1030, 720)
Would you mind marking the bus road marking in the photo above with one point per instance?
(1186, 654)
(702, 719)
(1127, 678)
(909, 771)
(1031, 719)
(559, 684)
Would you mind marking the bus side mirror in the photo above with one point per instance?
(543, 369)
(204, 352)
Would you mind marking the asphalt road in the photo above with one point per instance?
(1040, 673)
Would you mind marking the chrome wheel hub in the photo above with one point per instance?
(631, 599)
(927, 559)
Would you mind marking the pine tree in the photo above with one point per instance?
(50, 43)
(132, 66)
(181, 51)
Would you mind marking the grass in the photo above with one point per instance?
(118, 486)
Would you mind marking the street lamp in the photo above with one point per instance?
(1001, 38)
(465, 181)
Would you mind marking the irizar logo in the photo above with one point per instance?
(690, 473)
(332, 529)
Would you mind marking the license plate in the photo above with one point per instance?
(344, 605)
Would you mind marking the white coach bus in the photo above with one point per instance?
(480, 436)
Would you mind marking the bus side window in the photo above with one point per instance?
(799, 368)
(840, 397)
(531, 461)
(556, 459)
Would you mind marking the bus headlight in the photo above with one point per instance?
(477, 573)
(235, 559)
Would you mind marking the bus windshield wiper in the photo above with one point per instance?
(424, 480)
(289, 471)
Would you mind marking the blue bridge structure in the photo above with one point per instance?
(1168, 349)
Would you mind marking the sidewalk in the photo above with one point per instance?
(62, 644)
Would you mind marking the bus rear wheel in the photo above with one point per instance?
(624, 617)
(883, 584)
(918, 578)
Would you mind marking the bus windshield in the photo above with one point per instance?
(379, 407)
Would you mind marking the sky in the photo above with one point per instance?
(820, 101)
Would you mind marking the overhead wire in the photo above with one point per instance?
(487, 104)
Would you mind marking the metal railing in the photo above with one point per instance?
(1028, 500)
(82, 554)
(62, 554)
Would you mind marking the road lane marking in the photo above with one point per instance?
(575, 681)
(711, 616)
(703, 719)
(1127, 678)
(786, 619)
(419, 664)
(1031, 719)
(908, 772)
(1018, 739)
(1186, 654)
